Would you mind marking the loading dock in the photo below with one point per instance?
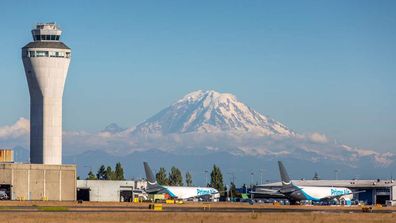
(125, 195)
(7, 189)
(83, 194)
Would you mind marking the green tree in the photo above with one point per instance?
(109, 174)
(161, 177)
(175, 177)
(100, 175)
(233, 191)
(91, 176)
(188, 179)
(119, 172)
(216, 179)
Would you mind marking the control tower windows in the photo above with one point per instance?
(56, 54)
(46, 37)
(48, 54)
(31, 53)
(41, 53)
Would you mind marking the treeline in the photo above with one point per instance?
(107, 173)
(174, 178)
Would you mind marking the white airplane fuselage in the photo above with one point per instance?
(320, 193)
(191, 192)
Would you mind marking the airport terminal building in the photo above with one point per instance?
(375, 191)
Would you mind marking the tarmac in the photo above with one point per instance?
(95, 207)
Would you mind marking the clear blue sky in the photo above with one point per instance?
(325, 66)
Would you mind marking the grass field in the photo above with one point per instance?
(95, 212)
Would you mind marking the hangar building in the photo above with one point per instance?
(110, 190)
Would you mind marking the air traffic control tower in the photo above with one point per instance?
(46, 61)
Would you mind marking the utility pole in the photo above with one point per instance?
(261, 176)
(251, 185)
(251, 180)
(233, 182)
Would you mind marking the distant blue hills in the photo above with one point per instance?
(239, 167)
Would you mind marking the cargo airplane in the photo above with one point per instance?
(178, 192)
(299, 193)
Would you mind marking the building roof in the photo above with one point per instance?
(45, 44)
(337, 183)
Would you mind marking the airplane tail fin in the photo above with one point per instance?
(283, 174)
(151, 181)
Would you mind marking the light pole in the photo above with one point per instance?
(336, 174)
(233, 176)
(233, 182)
(251, 180)
(261, 176)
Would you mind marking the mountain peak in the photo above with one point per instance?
(208, 98)
(113, 128)
(210, 111)
(210, 94)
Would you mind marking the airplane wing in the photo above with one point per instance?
(156, 190)
(267, 193)
(288, 190)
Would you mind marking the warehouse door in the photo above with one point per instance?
(125, 195)
(381, 199)
(382, 195)
(5, 192)
(83, 194)
(366, 196)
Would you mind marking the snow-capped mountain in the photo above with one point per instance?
(216, 127)
(206, 128)
(211, 111)
(205, 121)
